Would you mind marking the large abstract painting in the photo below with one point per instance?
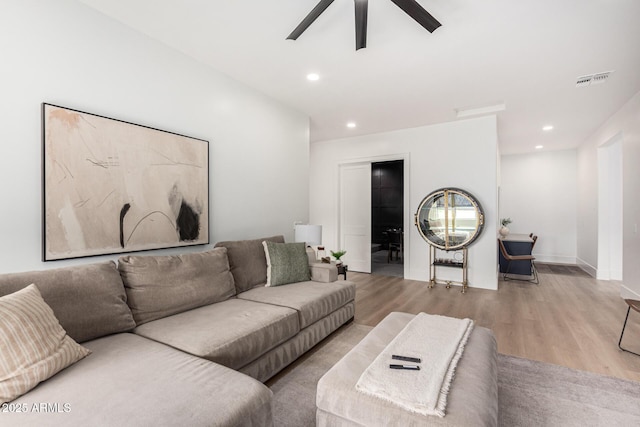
(111, 186)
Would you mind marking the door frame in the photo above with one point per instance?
(408, 217)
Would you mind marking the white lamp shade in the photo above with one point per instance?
(310, 234)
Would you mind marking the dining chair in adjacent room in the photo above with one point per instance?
(395, 244)
(513, 258)
(635, 304)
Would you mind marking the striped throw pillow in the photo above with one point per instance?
(33, 345)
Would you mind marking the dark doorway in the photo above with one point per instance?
(387, 218)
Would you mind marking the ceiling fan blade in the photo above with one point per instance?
(362, 7)
(417, 12)
(308, 20)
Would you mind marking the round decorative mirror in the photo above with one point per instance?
(449, 219)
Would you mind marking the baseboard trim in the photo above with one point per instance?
(627, 293)
(555, 259)
(586, 267)
(616, 274)
(602, 274)
(423, 276)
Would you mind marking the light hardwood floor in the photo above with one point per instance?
(569, 319)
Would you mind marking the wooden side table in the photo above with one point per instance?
(635, 304)
(342, 269)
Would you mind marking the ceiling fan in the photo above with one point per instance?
(410, 7)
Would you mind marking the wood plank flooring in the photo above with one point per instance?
(569, 319)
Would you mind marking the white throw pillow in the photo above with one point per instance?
(33, 345)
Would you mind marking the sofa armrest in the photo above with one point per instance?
(321, 272)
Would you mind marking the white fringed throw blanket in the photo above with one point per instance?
(439, 341)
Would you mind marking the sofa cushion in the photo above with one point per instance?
(247, 261)
(286, 263)
(132, 381)
(88, 300)
(33, 345)
(312, 300)
(159, 286)
(232, 333)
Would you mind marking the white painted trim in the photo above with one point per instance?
(481, 110)
(408, 216)
(556, 259)
(418, 274)
(628, 293)
(586, 267)
(616, 274)
(375, 159)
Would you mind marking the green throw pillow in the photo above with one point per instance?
(286, 263)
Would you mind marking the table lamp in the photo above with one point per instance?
(309, 234)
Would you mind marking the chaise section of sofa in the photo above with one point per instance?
(130, 380)
(127, 379)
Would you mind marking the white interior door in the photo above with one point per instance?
(355, 216)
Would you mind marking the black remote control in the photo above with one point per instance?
(406, 358)
(409, 367)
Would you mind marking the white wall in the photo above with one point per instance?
(67, 54)
(457, 154)
(538, 193)
(626, 124)
(587, 215)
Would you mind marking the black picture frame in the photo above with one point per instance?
(110, 186)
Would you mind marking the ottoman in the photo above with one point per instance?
(472, 399)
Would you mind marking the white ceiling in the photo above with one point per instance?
(526, 54)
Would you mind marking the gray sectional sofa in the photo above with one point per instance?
(177, 340)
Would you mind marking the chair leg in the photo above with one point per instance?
(390, 252)
(504, 275)
(622, 333)
(534, 274)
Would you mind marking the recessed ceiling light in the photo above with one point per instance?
(313, 77)
(351, 125)
(539, 147)
(547, 128)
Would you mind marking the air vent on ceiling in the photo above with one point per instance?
(584, 81)
(593, 79)
(600, 77)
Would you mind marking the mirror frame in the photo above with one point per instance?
(443, 193)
